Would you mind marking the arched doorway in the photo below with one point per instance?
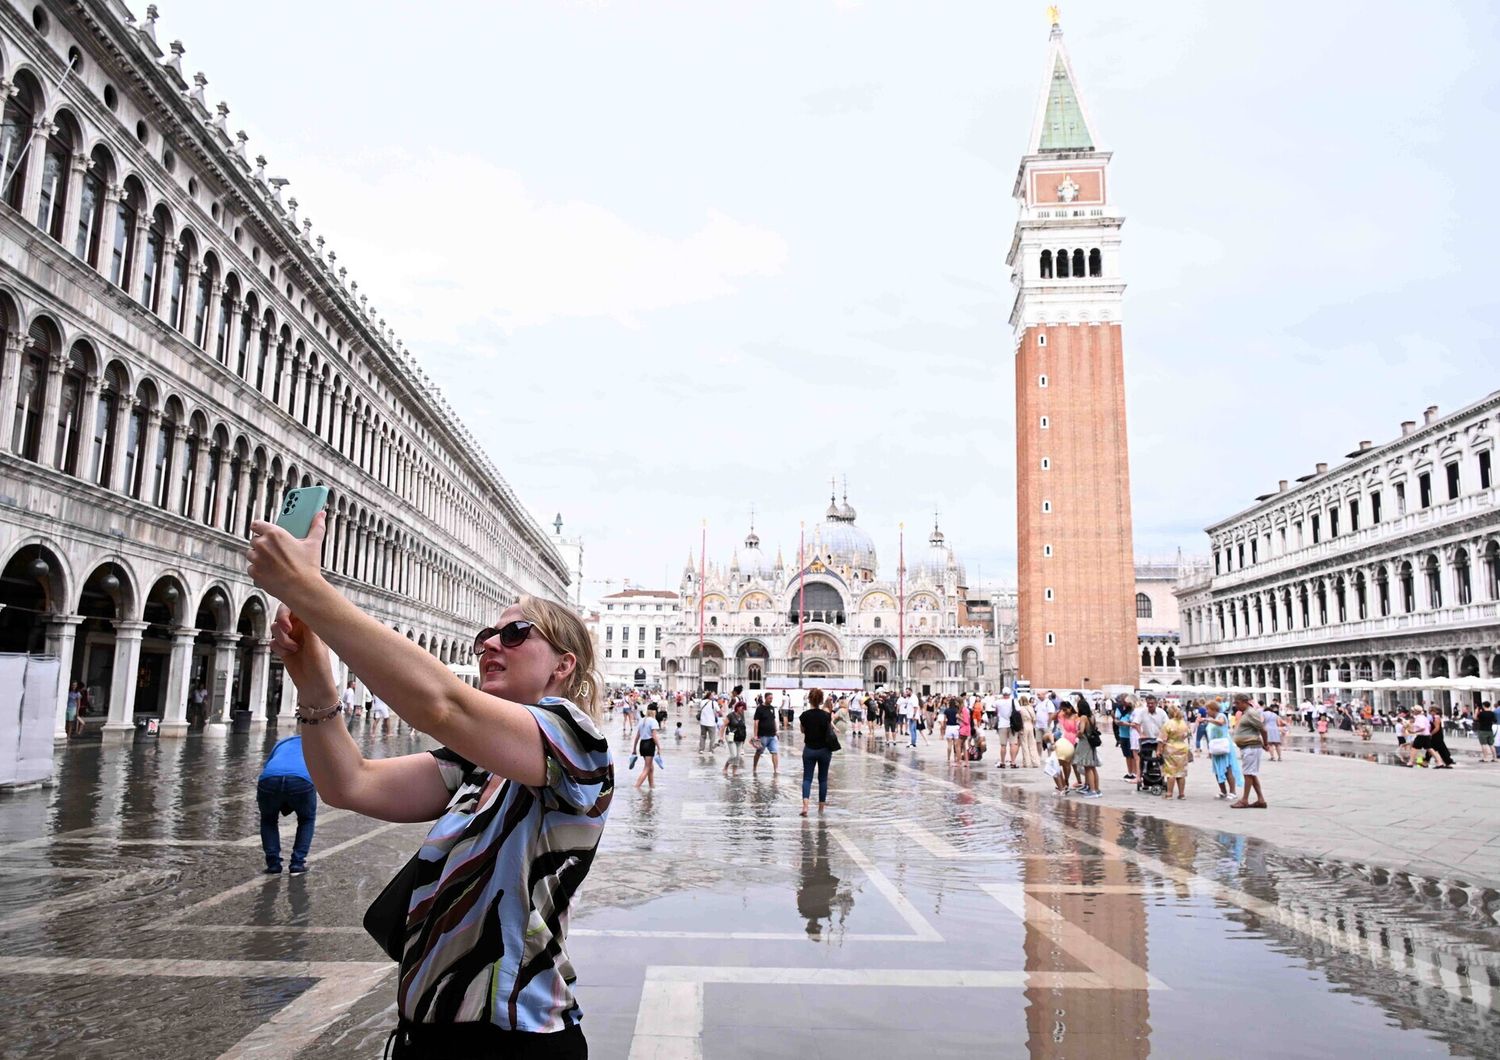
(750, 664)
(879, 665)
(925, 668)
(710, 666)
(33, 587)
(252, 657)
(165, 612)
(106, 653)
(213, 658)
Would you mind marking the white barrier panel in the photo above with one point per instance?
(12, 692)
(38, 719)
(28, 702)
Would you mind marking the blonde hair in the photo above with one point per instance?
(565, 631)
(1174, 711)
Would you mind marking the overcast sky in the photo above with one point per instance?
(672, 260)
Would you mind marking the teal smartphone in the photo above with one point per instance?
(299, 507)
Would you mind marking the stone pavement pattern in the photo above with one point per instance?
(1340, 798)
(931, 912)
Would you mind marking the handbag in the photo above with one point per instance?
(385, 920)
(832, 741)
(1017, 722)
(1218, 745)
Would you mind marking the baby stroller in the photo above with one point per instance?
(1150, 781)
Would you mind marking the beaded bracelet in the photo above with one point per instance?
(316, 715)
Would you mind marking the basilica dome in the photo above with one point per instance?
(933, 564)
(842, 545)
(753, 563)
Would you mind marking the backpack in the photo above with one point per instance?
(1017, 723)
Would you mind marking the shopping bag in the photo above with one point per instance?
(1051, 766)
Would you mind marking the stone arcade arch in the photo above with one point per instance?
(106, 653)
(925, 668)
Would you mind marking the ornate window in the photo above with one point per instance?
(1142, 605)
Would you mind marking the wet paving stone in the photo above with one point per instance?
(929, 913)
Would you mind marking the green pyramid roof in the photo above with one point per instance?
(1063, 127)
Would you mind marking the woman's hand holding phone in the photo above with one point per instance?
(285, 566)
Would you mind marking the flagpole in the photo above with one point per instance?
(901, 609)
(702, 594)
(801, 593)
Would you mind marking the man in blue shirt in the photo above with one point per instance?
(286, 788)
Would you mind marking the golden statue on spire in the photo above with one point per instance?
(1053, 14)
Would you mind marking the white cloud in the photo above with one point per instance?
(463, 239)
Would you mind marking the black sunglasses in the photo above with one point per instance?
(512, 634)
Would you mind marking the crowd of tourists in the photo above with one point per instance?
(1158, 738)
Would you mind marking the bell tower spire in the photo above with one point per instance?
(1074, 540)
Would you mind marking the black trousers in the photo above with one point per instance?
(483, 1041)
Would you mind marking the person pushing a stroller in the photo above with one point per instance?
(1146, 724)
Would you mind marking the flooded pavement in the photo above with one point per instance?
(926, 914)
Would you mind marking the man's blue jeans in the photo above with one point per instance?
(913, 726)
(284, 795)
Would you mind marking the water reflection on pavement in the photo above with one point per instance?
(928, 913)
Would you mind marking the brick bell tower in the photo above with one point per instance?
(1076, 571)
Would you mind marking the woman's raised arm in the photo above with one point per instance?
(493, 733)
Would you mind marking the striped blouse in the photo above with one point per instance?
(486, 932)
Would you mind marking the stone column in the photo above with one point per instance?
(335, 421)
(36, 160)
(200, 471)
(220, 682)
(51, 402)
(179, 684)
(260, 672)
(120, 728)
(123, 408)
(135, 286)
(221, 488)
(241, 498)
(291, 403)
(78, 165)
(145, 458)
(10, 385)
(286, 706)
(109, 229)
(232, 331)
(211, 321)
(331, 540)
(62, 634)
(273, 498)
(252, 350)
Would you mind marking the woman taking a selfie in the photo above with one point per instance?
(519, 790)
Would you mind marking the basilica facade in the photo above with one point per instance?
(832, 622)
(177, 349)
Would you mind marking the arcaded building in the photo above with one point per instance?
(1075, 566)
(177, 349)
(1385, 565)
